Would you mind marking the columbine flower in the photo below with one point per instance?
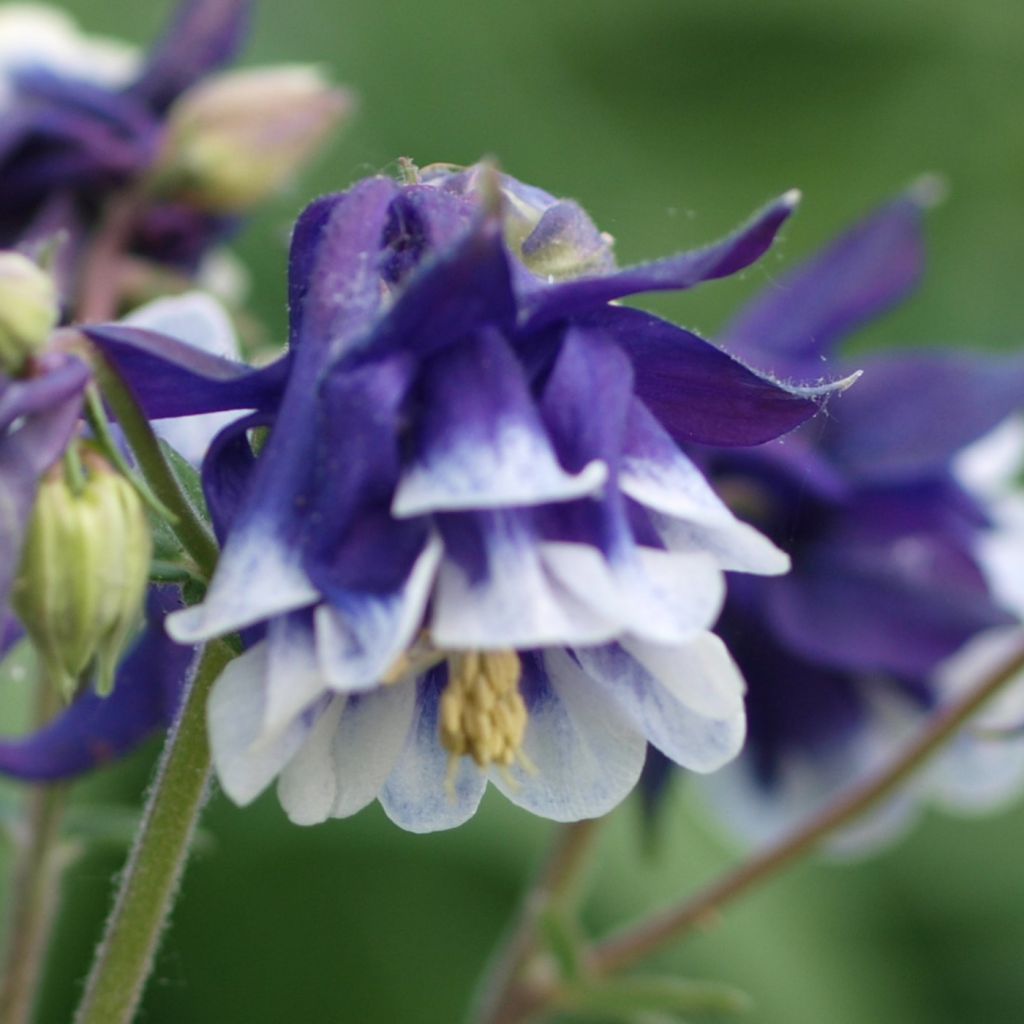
(845, 655)
(83, 119)
(470, 548)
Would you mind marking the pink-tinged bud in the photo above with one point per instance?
(236, 138)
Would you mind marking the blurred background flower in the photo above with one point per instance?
(664, 118)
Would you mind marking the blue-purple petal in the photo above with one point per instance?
(911, 414)
(169, 377)
(674, 273)
(797, 319)
(700, 393)
(202, 37)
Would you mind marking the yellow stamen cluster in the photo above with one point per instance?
(482, 712)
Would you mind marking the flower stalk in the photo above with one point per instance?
(639, 941)
(150, 880)
(515, 992)
(34, 886)
(517, 981)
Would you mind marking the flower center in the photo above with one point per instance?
(482, 712)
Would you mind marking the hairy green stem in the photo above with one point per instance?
(515, 984)
(639, 941)
(150, 880)
(34, 889)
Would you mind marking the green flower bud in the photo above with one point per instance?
(236, 138)
(29, 310)
(83, 574)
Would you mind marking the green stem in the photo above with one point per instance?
(516, 984)
(34, 888)
(155, 865)
(189, 527)
(641, 940)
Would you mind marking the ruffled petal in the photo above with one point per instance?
(495, 591)
(359, 636)
(294, 679)
(348, 756)
(247, 762)
(675, 273)
(581, 755)
(479, 442)
(798, 318)
(688, 701)
(689, 515)
(424, 793)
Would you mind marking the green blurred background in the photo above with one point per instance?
(670, 120)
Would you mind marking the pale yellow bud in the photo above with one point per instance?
(83, 574)
(29, 309)
(236, 138)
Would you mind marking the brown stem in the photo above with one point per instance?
(641, 940)
(102, 276)
(34, 888)
(512, 991)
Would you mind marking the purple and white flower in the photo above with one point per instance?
(471, 549)
(893, 540)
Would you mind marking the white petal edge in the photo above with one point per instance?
(257, 577)
(658, 707)
(515, 468)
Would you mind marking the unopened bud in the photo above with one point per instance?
(29, 309)
(554, 238)
(236, 138)
(83, 574)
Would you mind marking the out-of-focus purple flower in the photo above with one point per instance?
(82, 117)
(844, 655)
(95, 730)
(471, 548)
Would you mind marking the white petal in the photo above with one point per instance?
(257, 577)
(420, 794)
(307, 787)
(736, 546)
(372, 734)
(656, 595)
(700, 674)
(357, 646)
(519, 604)
(515, 467)
(671, 484)
(349, 755)
(660, 705)
(294, 678)
(199, 320)
(245, 764)
(585, 754)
